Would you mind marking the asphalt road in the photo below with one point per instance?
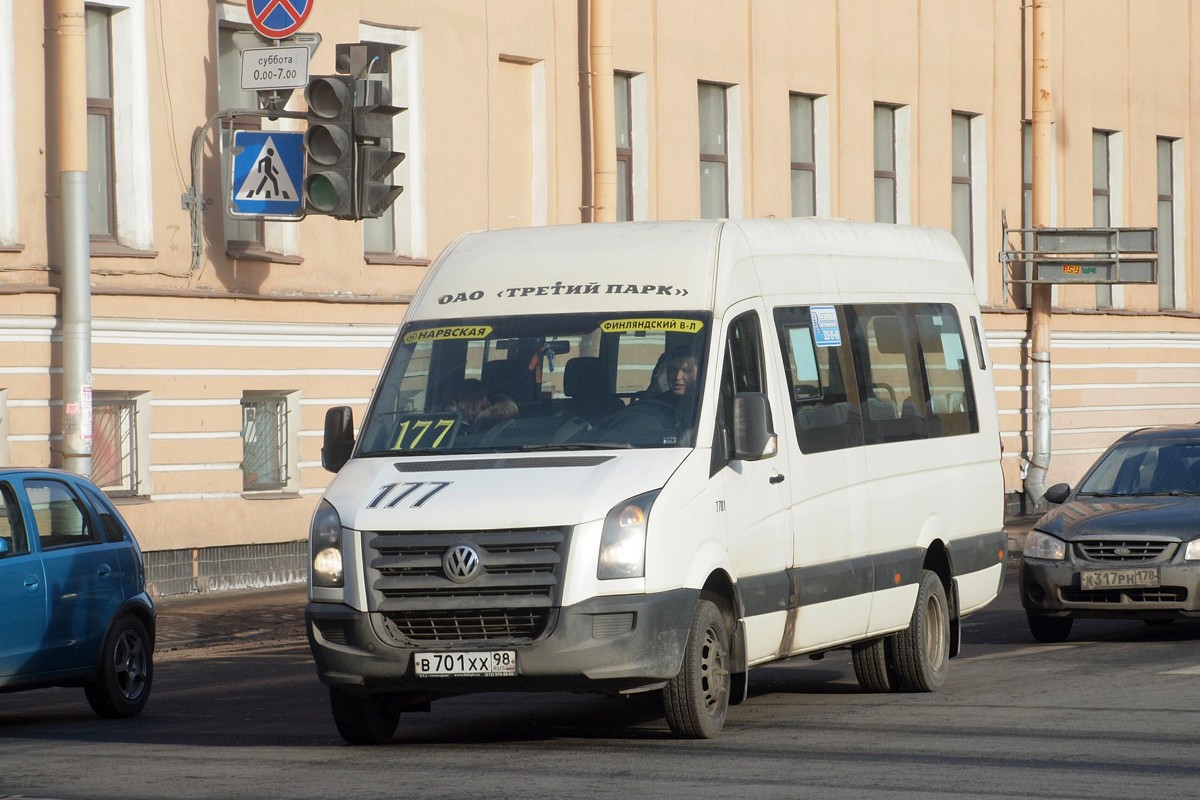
(1112, 713)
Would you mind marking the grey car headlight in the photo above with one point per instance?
(1192, 552)
(1044, 546)
(623, 541)
(325, 547)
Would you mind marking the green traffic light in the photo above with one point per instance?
(323, 193)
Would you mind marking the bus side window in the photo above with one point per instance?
(827, 417)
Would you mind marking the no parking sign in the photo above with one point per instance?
(278, 19)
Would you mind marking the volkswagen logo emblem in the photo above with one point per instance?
(461, 563)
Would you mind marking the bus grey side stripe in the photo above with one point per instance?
(837, 580)
(974, 553)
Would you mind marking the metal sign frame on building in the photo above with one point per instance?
(1080, 255)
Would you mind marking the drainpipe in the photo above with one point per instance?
(1039, 306)
(76, 303)
(604, 135)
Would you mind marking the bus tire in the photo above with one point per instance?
(364, 718)
(922, 652)
(872, 665)
(697, 699)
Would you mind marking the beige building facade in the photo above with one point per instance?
(212, 365)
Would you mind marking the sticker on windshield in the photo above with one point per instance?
(425, 432)
(448, 332)
(648, 325)
(826, 332)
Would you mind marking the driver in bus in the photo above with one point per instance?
(681, 368)
(479, 412)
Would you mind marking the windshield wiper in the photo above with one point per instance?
(537, 448)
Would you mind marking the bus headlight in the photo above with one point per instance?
(623, 541)
(325, 547)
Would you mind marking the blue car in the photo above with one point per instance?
(72, 593)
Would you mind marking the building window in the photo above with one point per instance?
(1102, 200)
(885, 163)
(269, 441)
(102, 211)
(379, 233)
(241, 235)
(114, 445)
(623, 118)
(398, 235)
(960, 183)
(714, 152)
(119, 190)
(1166, 149)
(804, 157)
(9, 227)
(1020, 291)
(5, 430)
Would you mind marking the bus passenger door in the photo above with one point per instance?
(830, 515)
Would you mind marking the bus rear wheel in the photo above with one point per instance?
(922, 652)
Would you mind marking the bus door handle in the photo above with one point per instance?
(776, 478)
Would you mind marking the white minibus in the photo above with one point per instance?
(650, 456)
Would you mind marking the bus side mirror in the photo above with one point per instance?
(753, 436)
(339, 438)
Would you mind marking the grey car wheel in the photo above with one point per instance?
(1049, 630)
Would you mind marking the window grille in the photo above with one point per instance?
(114, 446)
(264, 443)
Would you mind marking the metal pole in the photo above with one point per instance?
(76, 267)
(1039, 306)
(604, 135)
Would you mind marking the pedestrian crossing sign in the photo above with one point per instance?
(267, 174)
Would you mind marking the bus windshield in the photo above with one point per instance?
(569, 381)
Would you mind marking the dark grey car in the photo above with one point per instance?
(1125, 543)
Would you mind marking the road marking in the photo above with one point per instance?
(1024, 651)
(1184, 671)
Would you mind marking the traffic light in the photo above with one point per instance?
(377, 161)
(330, 146)
(375, 189)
